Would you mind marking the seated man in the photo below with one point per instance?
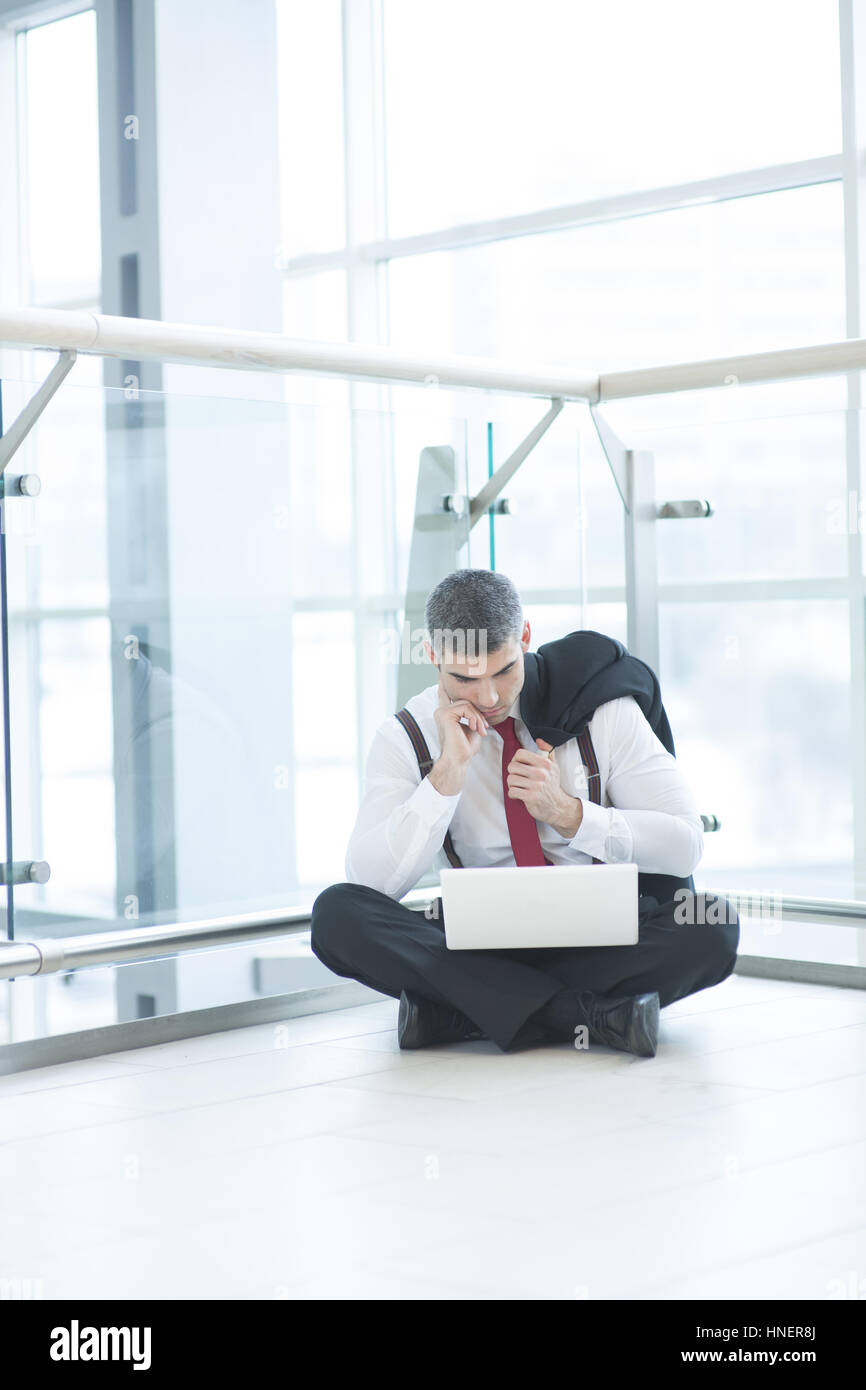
(507, 798)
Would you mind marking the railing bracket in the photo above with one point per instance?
(23, 423)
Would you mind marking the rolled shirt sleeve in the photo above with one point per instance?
(653, 819)
(401, 822)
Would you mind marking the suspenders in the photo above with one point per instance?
(425, 762)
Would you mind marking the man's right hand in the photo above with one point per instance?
(458, 742)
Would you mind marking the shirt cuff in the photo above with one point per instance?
(431, 805)
(592, 831)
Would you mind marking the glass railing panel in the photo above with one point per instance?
(7, 848)
(760, 642)
(777, 488)
(206, 606)
(214, 602)
(759, 698)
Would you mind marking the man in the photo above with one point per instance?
(506, 798)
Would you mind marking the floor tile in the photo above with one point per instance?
(266, 1037)
(257, 1073)
(316, 1160)
(66, 1074)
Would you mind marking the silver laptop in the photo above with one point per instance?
(558, 905)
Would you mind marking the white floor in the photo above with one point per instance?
(313, 1159)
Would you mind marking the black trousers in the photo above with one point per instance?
(684, 945)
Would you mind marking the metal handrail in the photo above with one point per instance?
(816, 909)
(780, 364)
(105, 335)
(48, 956)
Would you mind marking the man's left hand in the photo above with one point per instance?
(533, 778)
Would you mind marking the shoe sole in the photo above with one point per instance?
(404, 1034)
(643, 1030)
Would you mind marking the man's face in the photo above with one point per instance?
(491, 683)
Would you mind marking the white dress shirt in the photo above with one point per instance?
(648, 814)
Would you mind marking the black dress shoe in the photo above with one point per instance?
(421, 1023)
(631, 1024)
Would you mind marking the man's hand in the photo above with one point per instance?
(458, 742)
(533, 778)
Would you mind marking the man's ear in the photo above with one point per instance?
(430, 653)
(524, 641)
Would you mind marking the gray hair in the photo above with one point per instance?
(473, 611)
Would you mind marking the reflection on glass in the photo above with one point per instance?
(778, 492)
(758, 697)
(199, 814)
(541, 542)
(203, 605)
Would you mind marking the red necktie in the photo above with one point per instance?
(522, 826)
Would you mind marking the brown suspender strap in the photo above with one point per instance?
(417, 739)
(590, 762)
(425, 762)
(593, 776)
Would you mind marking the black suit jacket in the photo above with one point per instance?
(565, 682)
